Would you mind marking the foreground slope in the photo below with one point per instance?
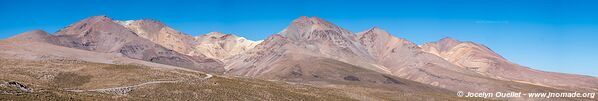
(79, 80)
(62, 73)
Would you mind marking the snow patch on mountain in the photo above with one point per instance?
(124, 23)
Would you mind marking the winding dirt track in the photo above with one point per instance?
(125, 89)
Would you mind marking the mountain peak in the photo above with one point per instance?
(34, 35)
(215, 34)
(152, 22)
(302, 19)
(373, 32)
(318, 20)
(376, 29)
(98, 18)
(87, 25)
(307, 21)
(448, 40)
(447, 43)
(37, 32)
(313, 28)
(312, 23)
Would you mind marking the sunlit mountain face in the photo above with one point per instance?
(99, 58)
(308, 50)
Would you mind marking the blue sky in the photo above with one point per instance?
(551, 35)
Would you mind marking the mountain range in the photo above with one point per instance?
(309, 51)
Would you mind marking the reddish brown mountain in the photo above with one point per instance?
(407, 60)
(161, 34)
(214, 45)
(290, 54)
(101, 34)
(481, 59)
(309, 51)
(314, 51)
(35, 35)
(304, 37)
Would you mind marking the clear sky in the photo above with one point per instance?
(551, 35)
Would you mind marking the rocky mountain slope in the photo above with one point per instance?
(36, 36)
(52, 72)
(295, 53)
(148, 40)
(71, 79)
(221, 46)
(311, 37)
(161, 34)
(483, 60)
(310, 53)
(102, 34)
(405, 59)
(316, 52)
(214, 45)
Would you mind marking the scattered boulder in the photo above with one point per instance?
(391, 80)
(20, 86)
(117, 91)
(351, 78)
